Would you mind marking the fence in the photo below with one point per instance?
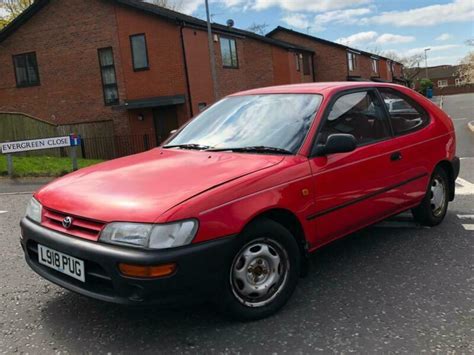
(110, 147)
(98, 139)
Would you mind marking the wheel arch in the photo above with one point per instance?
(448, 168)
(290, 221)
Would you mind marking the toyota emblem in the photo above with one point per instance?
(67, 222)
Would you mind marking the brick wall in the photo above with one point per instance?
(330, 63)
(65, 36)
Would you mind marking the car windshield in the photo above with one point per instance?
(259, 123)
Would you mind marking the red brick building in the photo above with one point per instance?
(445, 78)
(337, 62)
(142, 66)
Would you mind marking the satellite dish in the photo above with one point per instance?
(230, 23)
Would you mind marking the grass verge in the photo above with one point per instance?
(42, 166)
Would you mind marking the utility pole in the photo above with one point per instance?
(211, 53)
(426, 62)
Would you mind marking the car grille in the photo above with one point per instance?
(80, 227)
(97, 279)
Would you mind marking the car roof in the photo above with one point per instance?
(316, 88)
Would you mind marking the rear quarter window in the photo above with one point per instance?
(405, 114)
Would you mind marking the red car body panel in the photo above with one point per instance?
(330, 196)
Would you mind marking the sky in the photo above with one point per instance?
(405, 27)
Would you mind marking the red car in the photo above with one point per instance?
(230, 207)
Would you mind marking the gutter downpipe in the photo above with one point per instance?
(186, 73)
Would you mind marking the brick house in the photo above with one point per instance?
(445, 78)
(144, 67)
(337, 62)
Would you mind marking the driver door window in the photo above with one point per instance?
(360, 114)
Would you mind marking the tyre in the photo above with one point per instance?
(263, 273)
(432, 209)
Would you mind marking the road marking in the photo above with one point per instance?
(471, 126)
(466, 216)
(2, 212)
(459, 119)
(465, 187)
(468, 227)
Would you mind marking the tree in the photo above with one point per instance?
(9, 9)
(466, 69)
(259, 28)
(175, 5)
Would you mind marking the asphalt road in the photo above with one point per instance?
(390, 288)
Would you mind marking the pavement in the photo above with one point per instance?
(392, 288)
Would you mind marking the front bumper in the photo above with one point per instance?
(200, 267)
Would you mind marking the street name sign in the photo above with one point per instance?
(37, 144)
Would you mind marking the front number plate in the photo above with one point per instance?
(61, 262)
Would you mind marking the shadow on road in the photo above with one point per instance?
(378, 283)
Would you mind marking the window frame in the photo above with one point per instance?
(386, 119)
(104, 86)
(230, 39)
(131, 37)
(297, 62)
(375, 65)
(443, 81)
(352, 55)
(410, 101)
(307, 67)
(29, 84)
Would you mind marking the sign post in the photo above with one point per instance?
(10, 165)
(8, 148)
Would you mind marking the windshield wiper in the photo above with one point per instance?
(188, 146)
(252, 149)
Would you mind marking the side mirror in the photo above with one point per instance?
(336, 143)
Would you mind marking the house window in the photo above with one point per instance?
(26, 70)
(297, 62)
(306, 64)
(109, 80)
(458, 82)
(389, 67)
(139, 52)
(351, 61)
(442, 83)
(229, 53)
(375, 65)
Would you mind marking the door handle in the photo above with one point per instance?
(396, 156)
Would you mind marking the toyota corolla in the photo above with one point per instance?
(230, 207)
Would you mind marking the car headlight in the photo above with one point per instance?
(150, 236)
(33, 210)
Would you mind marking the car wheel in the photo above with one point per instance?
(263, 273)
(433, 208)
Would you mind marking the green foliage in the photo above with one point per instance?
(42, 166)
(424, 85)
(11, 9)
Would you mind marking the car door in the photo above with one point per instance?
(357, 188)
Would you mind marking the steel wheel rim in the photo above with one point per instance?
(438, 196)
(259, 272)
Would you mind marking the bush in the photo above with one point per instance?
(424, 85)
